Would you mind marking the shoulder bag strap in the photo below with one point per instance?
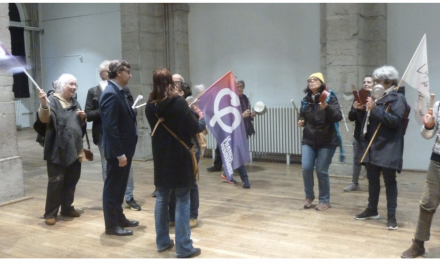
(87, 137)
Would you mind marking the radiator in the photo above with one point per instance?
(18, 114)
(275, 132)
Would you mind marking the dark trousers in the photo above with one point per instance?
(194, 200)
(218, 158)
(389, 177)
(114, 191)
(61, 187)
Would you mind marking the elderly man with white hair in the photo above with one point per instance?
(384, 115)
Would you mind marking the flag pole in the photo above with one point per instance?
(24, 70)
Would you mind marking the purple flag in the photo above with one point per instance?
(221, 107)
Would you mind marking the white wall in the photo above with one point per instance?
(272, 47)
(92, 31)
(407, 23)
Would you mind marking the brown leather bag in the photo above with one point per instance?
(88, 152)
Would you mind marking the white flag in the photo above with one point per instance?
(9, 63)
(416, 76)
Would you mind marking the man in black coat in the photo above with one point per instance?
(119, 139)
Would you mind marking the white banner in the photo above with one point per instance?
(416, 76)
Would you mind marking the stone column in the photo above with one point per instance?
(11, 171)
(179, 44)
(153, 35)
(353, 41)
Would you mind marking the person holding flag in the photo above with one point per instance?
(248, 118)
(383, 130)
(225, 114)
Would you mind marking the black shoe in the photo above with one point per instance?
(129, 223)
(196, 252)
(214, 168)
(153, 194)
(118, 231)
(392, 223)
(367, 214)
(170, 246)
(133, 205)
(246, 185)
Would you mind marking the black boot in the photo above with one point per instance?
(417, 249)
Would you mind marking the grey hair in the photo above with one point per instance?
(103, 67)
(386, 73)
(63, 80)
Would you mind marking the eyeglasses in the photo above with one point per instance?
(312, 80)
(128, 71)
(178, 83)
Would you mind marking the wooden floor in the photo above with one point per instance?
(265, 221)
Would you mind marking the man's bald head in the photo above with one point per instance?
(178, 78)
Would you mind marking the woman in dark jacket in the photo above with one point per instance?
(386, 150)
(319, 139)
(63, 146)
(173, 168)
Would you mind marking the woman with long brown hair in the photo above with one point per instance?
(169, 113)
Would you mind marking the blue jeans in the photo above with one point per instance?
(130, 184)
(184, 244)
(323, 158)
(194, 200)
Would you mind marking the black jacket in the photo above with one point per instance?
(387, 147)
(172, 161)
(92, 110)
(319, 128)
(353, 116)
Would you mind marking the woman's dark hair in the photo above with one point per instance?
(186, 89)
(163, 85)
(321, 88)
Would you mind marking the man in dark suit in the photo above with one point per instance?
(94, 115)
(119, 140)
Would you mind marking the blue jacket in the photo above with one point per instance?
(119, 133)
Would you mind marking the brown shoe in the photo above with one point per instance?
(50, 221)
(71, 213)
(308, 202)
(414, 251)
(322, 206)
(192, 223)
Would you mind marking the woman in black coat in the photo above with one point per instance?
(386, 150)
(319, 140)
(173, 167)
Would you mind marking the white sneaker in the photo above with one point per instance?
(352, 187)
